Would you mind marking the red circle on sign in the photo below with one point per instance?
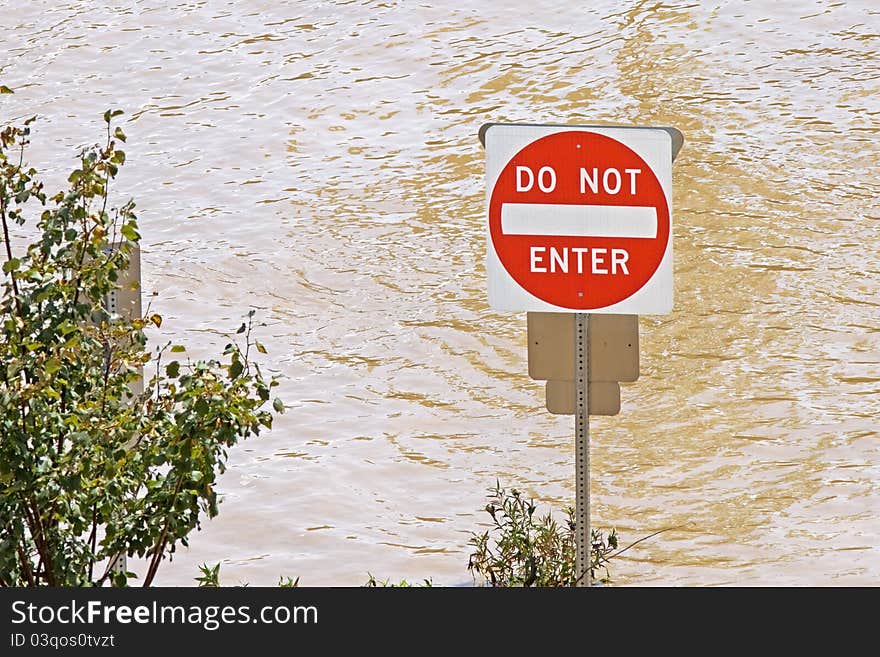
(612, 258)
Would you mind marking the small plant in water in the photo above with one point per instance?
(372, 582)
(525, 549)
(210, 578)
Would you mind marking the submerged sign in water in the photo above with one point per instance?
(580, 221)
(579, 218)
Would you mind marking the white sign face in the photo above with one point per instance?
(579, 218)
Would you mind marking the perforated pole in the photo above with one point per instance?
(120, 565)
(582, 445)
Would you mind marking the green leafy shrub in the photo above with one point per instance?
(524, 549)
(89, 470)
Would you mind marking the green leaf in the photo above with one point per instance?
(201, 406)
(52, 365)
(278, 405)
(241, 329)
(66, 327)
(172, 369)
(157, 320)
(235, 369)
(177, 349)
(5, 90)
(11, 265)
(119, 134)
(129, 232)
(260, 347)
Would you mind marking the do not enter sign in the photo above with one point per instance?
(579, 218)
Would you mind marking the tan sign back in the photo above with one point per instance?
(614, 347)
(604, 397)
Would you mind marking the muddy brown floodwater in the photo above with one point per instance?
(319, 162)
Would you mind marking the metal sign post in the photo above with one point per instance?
(582, 446)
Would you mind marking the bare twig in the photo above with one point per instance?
(643, 538)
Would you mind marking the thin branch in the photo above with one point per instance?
(93, 537)
(43, 544)
(247, 347)
(32, 527)
(108, 361)
(109, 569)
(8, 245)
(644, 538)
(163, 537)
(26, 566)
(107, 177)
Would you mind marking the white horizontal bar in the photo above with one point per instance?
(578, 220)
